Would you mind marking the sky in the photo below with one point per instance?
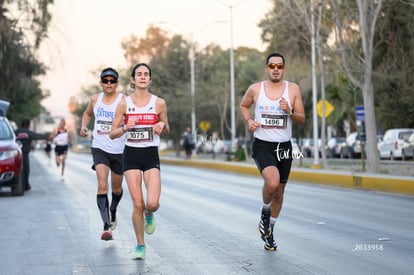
(86, 35)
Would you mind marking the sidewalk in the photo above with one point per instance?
(334, 177)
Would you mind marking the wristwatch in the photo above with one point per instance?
(292, 112)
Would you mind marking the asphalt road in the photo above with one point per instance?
(207, 224)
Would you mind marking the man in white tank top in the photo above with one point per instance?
(277, 103)
(106, 153)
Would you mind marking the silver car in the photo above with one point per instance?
(408, 149)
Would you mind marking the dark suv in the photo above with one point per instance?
(10, 155)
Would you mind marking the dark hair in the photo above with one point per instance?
(25, 123)
(274, 55)
(135, 68)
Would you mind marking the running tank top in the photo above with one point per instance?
(104, 115)
(276, 125)
(142, 134)
(61, 138)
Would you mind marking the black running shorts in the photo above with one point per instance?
(140, 158)
(113, 161)
(61, 150)
(278, 154)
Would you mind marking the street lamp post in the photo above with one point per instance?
(232, 84)
(232, 89)
(192, 89)
(314, 90)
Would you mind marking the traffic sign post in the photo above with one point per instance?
(360, 116)
(360, 113)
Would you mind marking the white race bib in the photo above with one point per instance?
(140, 134)
(103, 127)
(274, 121)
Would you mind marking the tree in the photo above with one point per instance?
(170, 80)
(358, 66)
(138, 49)
(393, 63)
(20, 37)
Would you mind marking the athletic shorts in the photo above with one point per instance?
(61, 150)
(278, 154)
(48, 148)
(113, 161)
(140, 158)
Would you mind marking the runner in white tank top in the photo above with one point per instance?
(276, 124)
(146, 118)
(104, 114)
(278, 103)
(61, 139)
(106, 152)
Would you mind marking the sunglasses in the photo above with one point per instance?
(279, 66)
(109, 81)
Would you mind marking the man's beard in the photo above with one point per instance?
(276, 80)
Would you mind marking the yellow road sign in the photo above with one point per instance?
(204, 125)
(328, 108)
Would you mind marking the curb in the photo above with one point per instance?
(363, 181)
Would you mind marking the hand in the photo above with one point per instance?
(285, 106)
(252, 125)
(83, 132)
(131, 124)
(159, 127)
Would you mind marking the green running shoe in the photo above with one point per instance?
(139, 252)
(149, 223)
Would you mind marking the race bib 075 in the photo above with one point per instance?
(140, 134)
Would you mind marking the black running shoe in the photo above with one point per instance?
(270, 244)
(264, 224)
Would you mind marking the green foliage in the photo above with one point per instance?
(170, 77)
(393, 63)
(285, 30)
(19, 66)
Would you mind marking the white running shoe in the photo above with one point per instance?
(113, 225)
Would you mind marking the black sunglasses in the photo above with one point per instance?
(279, 66)
(109, 81)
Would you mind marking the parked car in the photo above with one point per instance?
(210, 145)
(308, 147)
(393, 142)
(11, 159)
(408, 148)
(379, 140)
(333, 147)
(351, 148)
(295, 148)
